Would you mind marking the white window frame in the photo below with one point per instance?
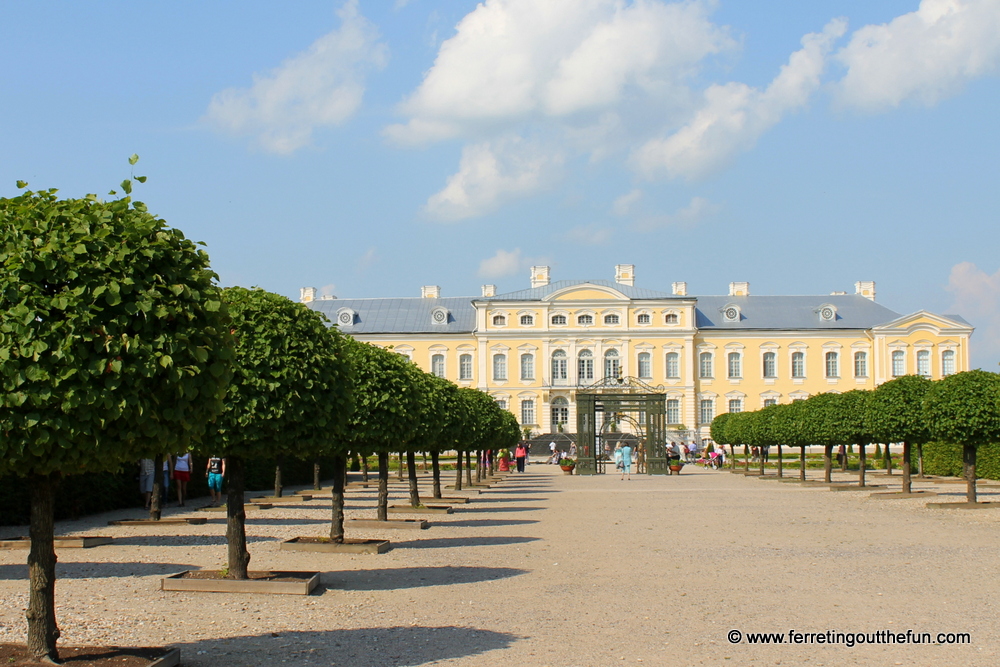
(612, 363)
(798, 364)
(769, 358)
(499, 367)
(585, 320)
(948, 362)
(831, 364)
(585, 365)
(559, 411)
(706, 408)
(705, 365)
(674, 410)
(527, 320)
(438, 366)
(528, 412)
(465, 366)
(673, 365)
(736, 405)
(560, 366)
(861, 363)
(527, 363)
(924, 363)
(612, 319)
(644, 365)
(734, 365)
(897, 363)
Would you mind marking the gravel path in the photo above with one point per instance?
(549, 569)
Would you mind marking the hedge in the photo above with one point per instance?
(943, 458)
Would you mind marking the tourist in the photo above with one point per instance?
(215, 471)
(553, 454)
(182, 475)
(503, 459)
(146, 480)
(572, 450)
(626, 458)
(520, 456)
(168, 472)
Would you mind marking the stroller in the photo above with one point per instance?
(715, 460)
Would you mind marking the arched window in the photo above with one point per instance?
(559, 369)
(672, 318)
(499, 366)
(832, 365)
(527, 366)
(924, 363)
(585, 365)
(948, 362)
(558, 319)
(585, 320)
(860, 364)
(645, 365)
(643, 318)
(612, 365)
(770, 365)
(733, 359)
(499, 320)
(611, 319)
(437, 365)
(560, 411)
(705, 365)
(673, 365)
(465, 367)
(798, 364)
(527, 320)
(898, 363)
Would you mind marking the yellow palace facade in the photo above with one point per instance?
(533, 349)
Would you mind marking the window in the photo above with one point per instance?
(465, 367)
(499, 320)
(527, 367)
(924, 363)
(898, 363)
(832, 365)
(502, 403)
(585, 366)
(645, 365)
(644, 318)
(673, 411)
(768, 402)
(860, 364)
(611, 319)
(770, 365)
(527, 320)
(672, 318)
(734, 365)
(499, 366)
(798, 364)
(585, 320)
(527, 411)
(559, 366)
(948, 362)
(612, 366)
(558, 319)
(706, 413)
(736, 405)
(705, 365)
(437, 365)
(673, 365)
(560, 411)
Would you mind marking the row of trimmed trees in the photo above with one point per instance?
(117, 344)
(963, 408)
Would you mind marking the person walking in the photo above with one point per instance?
(146, 470)
(520, 454)
(626, 456)
(182, 475)
(215, 471)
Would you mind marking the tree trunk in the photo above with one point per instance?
(156, 499)
(906, 468)
(277, 478)
(236, 517)
(843, 461)
(479, 466)
(969, 471)
(492, 456)
(888, 459)
(316, 476)
(458, 470)
(827, 463)
(355, 462)
(364, 468)
(732, 452)
(746, 458)
(802, 462)
(781, 464)
(862, 464)
(400, 466)
(760, 459)
(920, 460)
(339, 477)
(411, 475)
(436, 465)
(383, 486)
(468, 467)
(42, 629)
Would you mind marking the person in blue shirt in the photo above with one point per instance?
(626, 453)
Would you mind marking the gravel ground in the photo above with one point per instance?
(549, 569)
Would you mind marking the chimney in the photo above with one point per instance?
(680, 289)
(865, 288)
(625, 274)
(489, 290)
(539, 276)
(307, 294)
(430, 291)
(739, 289)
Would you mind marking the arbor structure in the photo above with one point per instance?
(965, 409)
(897, 414)
(114, 345)
(291, 395)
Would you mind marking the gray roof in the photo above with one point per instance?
(539, 293)
(792, 312)
(401, 315)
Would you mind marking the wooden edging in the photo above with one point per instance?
(348, 546)
(451, 500)
(392, 524)
(171, 659)
(426, 509)
(247, 506)
(81, 542)
(294, 498)
(177, 582)
(855, 487)
(890, 495)
(963, 506)
(194, 521)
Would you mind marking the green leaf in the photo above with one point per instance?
(22, 185)
(127, 186)
(166, 361)
(133, 159)
(141, 179)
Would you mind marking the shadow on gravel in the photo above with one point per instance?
(445, 542)
(477, 523)
(463, 509)
(360, 647)
(184, 540)
(96, 570)
(413, 577)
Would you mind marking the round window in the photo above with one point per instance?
(439, 316)
(346, 318)
(732, 314)
(826, 313)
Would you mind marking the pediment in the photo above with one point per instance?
(586, 293)
(922, 321)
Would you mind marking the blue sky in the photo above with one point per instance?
(367, 148)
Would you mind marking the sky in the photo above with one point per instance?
(368, 147)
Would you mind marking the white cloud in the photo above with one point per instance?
(491, 173)
(590, 235)
(503, 264)
(925, 55)
(623, 205)
(327, 290)
(321, 87)
(367, 259)
(977, 299)
(697, 211)
(734, 115)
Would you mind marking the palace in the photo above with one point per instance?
(534, 348)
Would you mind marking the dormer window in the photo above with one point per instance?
(585, 320)
(827, 313)
(440, 316)
(499, 320)
(527, 320)
(730, 313)
(611, 319)
(345, 317)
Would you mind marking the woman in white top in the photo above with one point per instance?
(182, 473)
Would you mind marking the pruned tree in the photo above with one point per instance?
(114, 345)
(965, 409)
(819, 418)
(853, 425)
(897, 414)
